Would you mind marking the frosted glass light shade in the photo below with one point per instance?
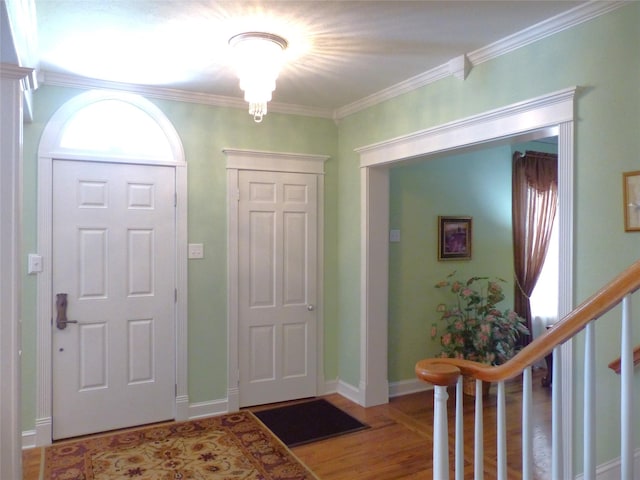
(258, 58)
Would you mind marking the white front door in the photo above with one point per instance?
(277, 286)
(114, 258)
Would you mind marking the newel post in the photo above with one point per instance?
(441, 376)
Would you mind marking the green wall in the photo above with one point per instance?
(475, 184)
(600, 56)
(204, 132)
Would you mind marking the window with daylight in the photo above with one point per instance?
(544, 298)
(115, 127)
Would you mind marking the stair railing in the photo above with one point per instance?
(447, 372)
(616, 364)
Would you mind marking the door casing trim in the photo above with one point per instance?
(551, 114)
(49, 150)
(274, 162)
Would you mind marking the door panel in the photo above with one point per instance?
(277, 291)
(93, 356)
(114, 257)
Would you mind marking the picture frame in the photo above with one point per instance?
(631, 200)
(454, 237)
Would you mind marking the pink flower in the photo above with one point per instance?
(456, 286)
(482, 340)
(434, 330)
(446, 339)
(467, 292)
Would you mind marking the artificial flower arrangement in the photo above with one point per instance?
(474, 328)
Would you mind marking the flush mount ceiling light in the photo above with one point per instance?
(258, 57)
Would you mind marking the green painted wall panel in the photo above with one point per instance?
(204, 132)
(599, 56)
(477, 185)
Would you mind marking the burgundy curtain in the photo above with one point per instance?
(535, 201)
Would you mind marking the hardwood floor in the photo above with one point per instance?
(31, 460)
(399, 443)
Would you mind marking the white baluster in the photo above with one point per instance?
(502, 434)
(589, 419)
(440, 434)
(527, 431)
(556, 417)
(459, 431)
(626, 392)
(478, 460)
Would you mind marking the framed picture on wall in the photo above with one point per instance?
(631, 198)
(454, 238)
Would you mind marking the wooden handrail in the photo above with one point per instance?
(615, 365)
(445, 371)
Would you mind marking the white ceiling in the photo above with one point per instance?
(341, 52)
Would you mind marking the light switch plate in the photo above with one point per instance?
(394, 235)
(196, 250)
(34, 263)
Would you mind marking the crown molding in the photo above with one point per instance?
(14, 72)
(575, 16)
(580, 14)
(405, 86)
(76, 81)
(546, 28)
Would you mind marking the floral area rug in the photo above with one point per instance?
(229, 447)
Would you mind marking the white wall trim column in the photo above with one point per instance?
(11, 114)
(539, 117)
(565, 283)
(374, 190)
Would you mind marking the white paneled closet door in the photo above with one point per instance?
(277, 286)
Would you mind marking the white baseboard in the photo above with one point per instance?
(28, 439)
(221, 406)
(182, 407)
(349, 391)
(405, 387)
(329, 387)
(207, 409)
(396, 389)
(44, 431)
(611, 470)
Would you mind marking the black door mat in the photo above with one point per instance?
(308, 422)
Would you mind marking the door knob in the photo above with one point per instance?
(311, 308)
(61, 308)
